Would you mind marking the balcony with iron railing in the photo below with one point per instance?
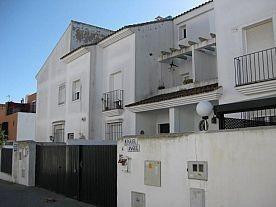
(256, 67)
(112, 100)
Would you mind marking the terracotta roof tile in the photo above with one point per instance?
(193, 9)
(177, 94)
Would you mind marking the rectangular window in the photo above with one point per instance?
(58, 131)
(259, 37)
(164, 128)
(61, 94)
(76, 90)
(113, 131)
(70, 136)
(182, 32)
(33, 107)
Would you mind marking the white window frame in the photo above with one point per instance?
(54, 126)
(181, 34)
(60, 87)
(245, 30)
(76, 93)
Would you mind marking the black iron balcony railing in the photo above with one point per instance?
(112, 100)
(255, 67)
(247, 114)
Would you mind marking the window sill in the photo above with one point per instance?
(75, 101)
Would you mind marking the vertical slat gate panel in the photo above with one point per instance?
(6, 160)
(87, 173)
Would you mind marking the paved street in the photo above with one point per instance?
(13, 195)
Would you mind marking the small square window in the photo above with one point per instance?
(164, 128)
(70, 136)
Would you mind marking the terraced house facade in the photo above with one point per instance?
(148, 78)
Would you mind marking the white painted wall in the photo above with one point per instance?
(205, 66)
(199, 23)
(24, 163)
(120, 57)
(48, 78)
(231, 42)
(139, 70)
(240, 168)
(150, 39)
(148, 121)
(182, 119)
(55, 72)
(76, 114)
(26, 124)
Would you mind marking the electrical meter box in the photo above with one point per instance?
(137, 199)
(152, 174)
(197, 197)
(198, 170)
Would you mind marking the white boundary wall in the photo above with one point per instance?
(241, 168)
(23, 163)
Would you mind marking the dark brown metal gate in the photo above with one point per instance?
(87, 173)
(6, 160)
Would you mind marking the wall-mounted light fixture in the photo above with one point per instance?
(204, 109)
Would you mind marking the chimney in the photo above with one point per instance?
(159, 18)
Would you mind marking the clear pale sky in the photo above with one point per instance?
(31, 28)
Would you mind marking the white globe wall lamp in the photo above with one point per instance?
(204, 109)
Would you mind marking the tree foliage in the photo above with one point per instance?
(3, 137)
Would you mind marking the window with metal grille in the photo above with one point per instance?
(113, 130)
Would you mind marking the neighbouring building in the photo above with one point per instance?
(17, 120)
(63, 93)
(246, 62)
(225, 166)
(148, 78)
(135, 90)
(188, 75)
(131, 72)
(246, 49)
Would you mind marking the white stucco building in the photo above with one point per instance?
(63, 89)
(131, 72)
(148, 78)
(188, 75)
(248, 37)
